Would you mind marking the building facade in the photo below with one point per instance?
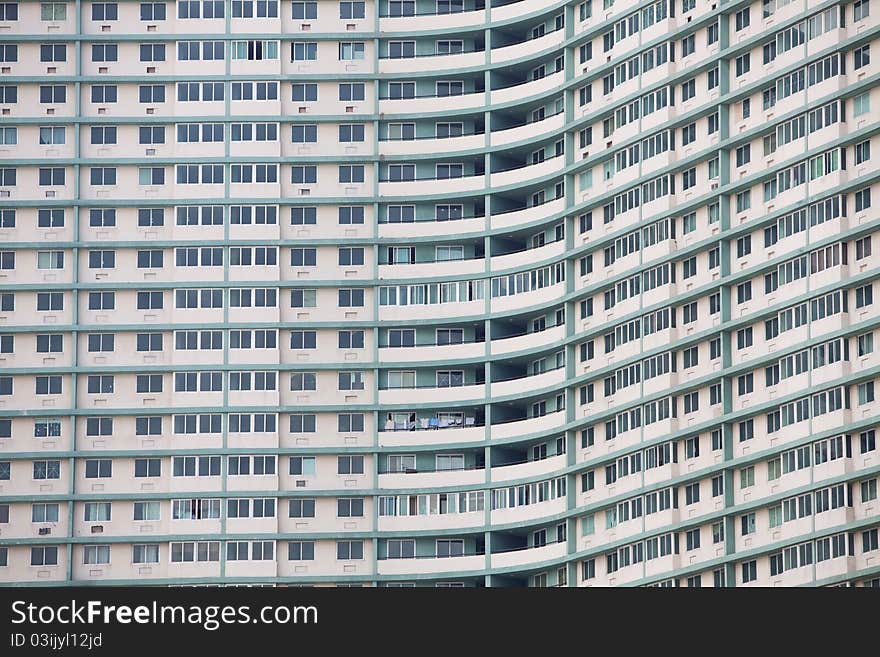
(439, 293)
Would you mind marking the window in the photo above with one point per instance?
(351, 298)
(351, 50)
(692, 539)
(44, 556)
(349, 550)
(301, 550)
(49, 385)
(301, 508)
(53, 52)
(863, 152)
(259, 50)
(301, 51)
(152, 11)
(351, 10)
(350, 465)
(351, 256)
(145, 552)
(53, 11)
(349, 91)
(304, 216)
(304, 175)
(149, 93)
(351, 173)
(50, 259)
(861, 104)
(861, 56)
(98, 468)
(104, 52)
(47, 470)
(402, 8)
(151, 176)
(42, 513)
(302, 465)
(102, 176)
(747, 523)
(105, 11)
(688, 90)
(400, 49)
(351, 132)
(304, 133)
(305, 10)
(692, 493)
(350, 507)
(687, 45)
(308, 92)
(152, 52)
(48, 136)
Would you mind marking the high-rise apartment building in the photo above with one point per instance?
(439, 293)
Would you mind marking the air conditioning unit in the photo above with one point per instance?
(97, 529)
(301, 483)
(44, 531)
(714, 185)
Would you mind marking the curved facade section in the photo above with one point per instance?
(453, 293)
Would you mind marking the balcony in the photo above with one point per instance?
(442, 268)
(528, 556)
(429, 436)
(528, 342)
(530, 512)
(528, 174)
(433, 394)
(431, 104)
(526, 90)
(432, 479)
(526, 216)
(432, 311)
(529, 131)
(428, 353)
(443, 229)
(537, 382)
(431, 522)
(526, 49)
(548, 467)
(529, 426)
(432, 145)
(515, 302)
(430, 22)
(517, 9)
(432, 565)
(432, 187)
(445, 64)
(527, 258)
